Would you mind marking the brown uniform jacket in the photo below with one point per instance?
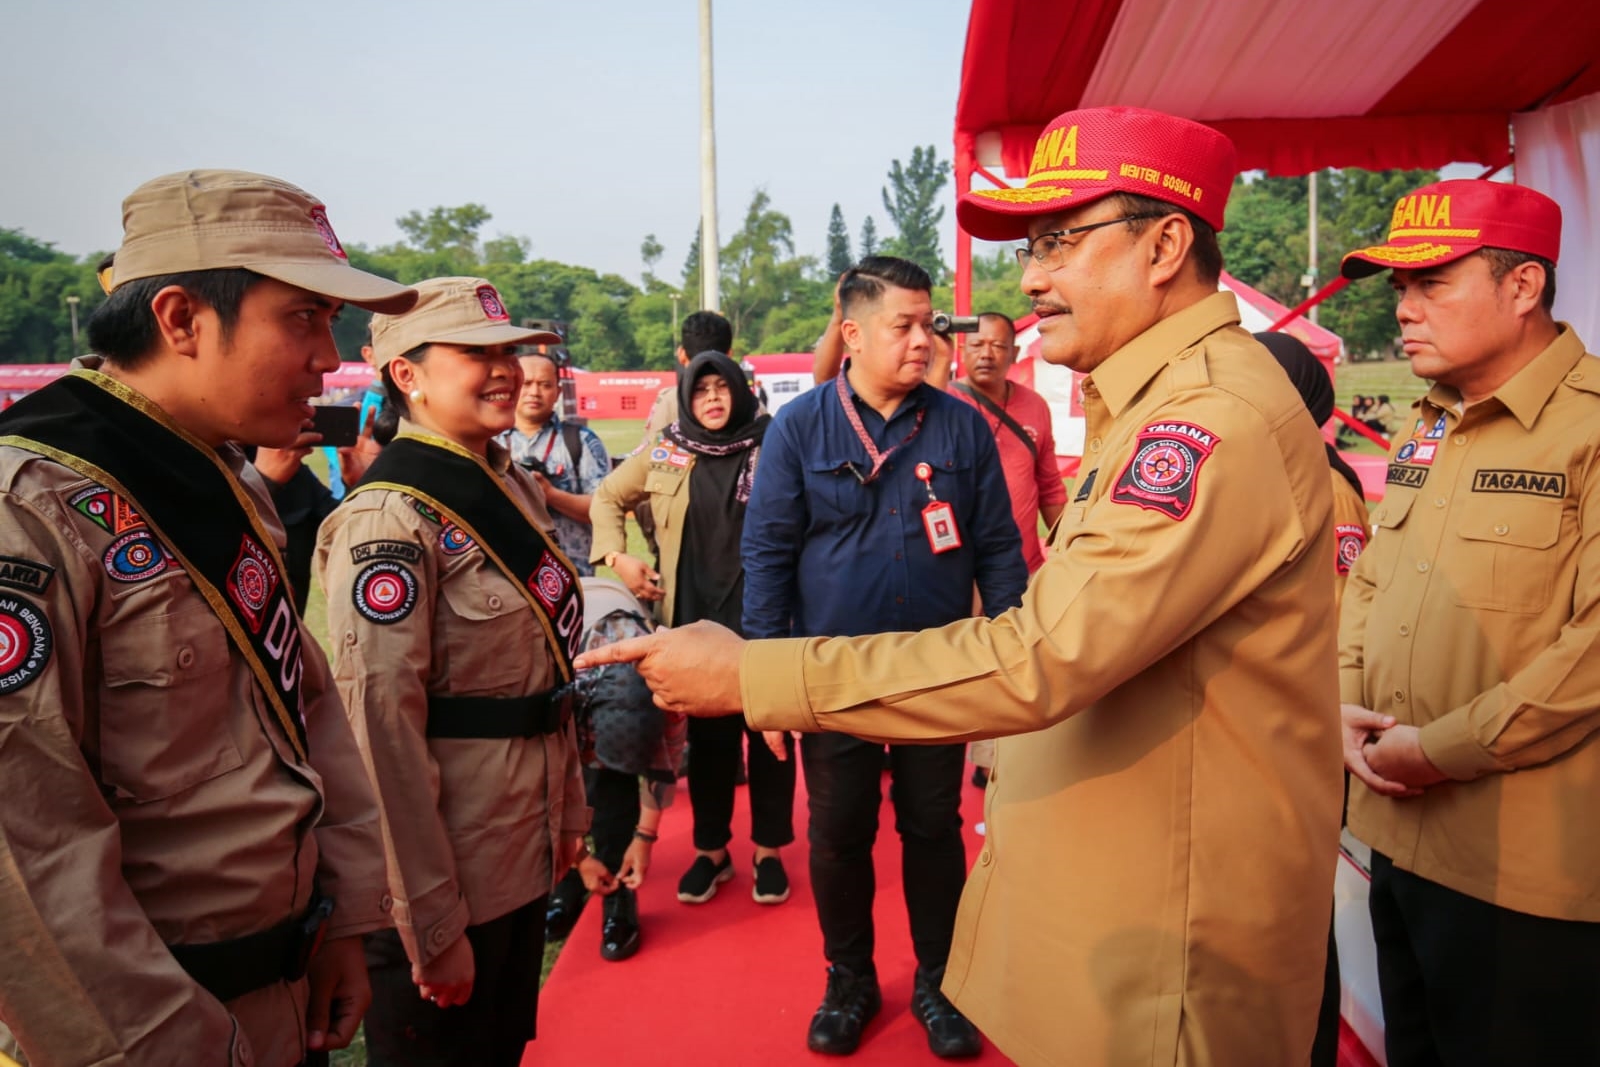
(151, 797)
(1154, 886)
(646, 475)
(1475, 615)
(470, 826)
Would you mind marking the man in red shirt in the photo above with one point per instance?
(1020, 419)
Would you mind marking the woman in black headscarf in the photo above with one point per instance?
(697, 476)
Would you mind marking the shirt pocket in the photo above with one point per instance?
(1505, 556)
(661, 487)
(165, 704)
(833, 493)
(1387, 537)
(484, 637)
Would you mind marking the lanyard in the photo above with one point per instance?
(878, 458)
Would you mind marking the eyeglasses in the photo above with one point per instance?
(1048, 251)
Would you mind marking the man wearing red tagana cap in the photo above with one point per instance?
(1164, 810)
(1467, 647)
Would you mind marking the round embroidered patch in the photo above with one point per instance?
(135, 556)
(1407, 450)
(385, 592)
(1162, 467)
(453, 540)
(25, 643)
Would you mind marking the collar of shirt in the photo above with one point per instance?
(1531, 388)
(909, 404)
(499, 456)
(1131, 367)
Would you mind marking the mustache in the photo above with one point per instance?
(1042, 306)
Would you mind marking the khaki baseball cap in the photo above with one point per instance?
(452, 311)
(212, 219)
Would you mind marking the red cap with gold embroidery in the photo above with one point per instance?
(1442, 222)
(1087, 154)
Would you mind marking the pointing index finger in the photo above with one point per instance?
(630, 650)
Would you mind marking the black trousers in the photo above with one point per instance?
(715, 748)
(489, 1030)
(1467, 983)
(842, 778)
(614, 796)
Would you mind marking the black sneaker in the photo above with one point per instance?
(849, 1004)
(699, 883)
(950, 1035)
(772, 882)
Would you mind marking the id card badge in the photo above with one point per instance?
(939, 520)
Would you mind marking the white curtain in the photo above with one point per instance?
(1558, 153)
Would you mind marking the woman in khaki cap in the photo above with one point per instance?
(454, 619)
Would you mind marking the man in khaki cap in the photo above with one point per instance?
(1154, 886)
(1468, 665)
(186, 810)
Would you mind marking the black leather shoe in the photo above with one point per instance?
(849, 1004)
(619, 934)
(566, 904)
(950, 1035)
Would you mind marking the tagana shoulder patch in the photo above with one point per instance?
(26, 642)
(385, 592)
(1352, 539)
(1165, 467)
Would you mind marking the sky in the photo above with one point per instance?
(575, 123)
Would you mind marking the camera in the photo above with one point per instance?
(946, 324)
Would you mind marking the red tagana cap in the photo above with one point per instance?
(1094, 152)
(1442, 222)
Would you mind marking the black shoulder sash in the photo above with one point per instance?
(193, 505)
(1000, 413)
(462, 488)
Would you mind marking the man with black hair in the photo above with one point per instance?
(1468, 668)
(878, 506)
(204, 849)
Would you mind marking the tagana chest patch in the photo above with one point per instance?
(252, 580)
(26, 642)
(1352, 539)
(385, 592)
(1165, 468)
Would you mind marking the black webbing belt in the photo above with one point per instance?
(230, 969)
(494, 717)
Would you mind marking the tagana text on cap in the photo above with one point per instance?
(1442, 222)
(217, 219)
(1093, 152)
(452, 311)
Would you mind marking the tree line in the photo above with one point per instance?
(778, 300)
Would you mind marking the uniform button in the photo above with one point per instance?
(894, 511)
(1399, 696)
(899, 600)
(1438, 502)
(897, 555)
(386, 903)
(1185, 355)
(1460, 439)
(494, 603)
(888, 466)
(1501, 528)
(185, 657)
(349, 637)
(437, 937)
(1404, 629)
(1094, 446)
(1422, 566)
(1575, 376)
(244, 1052)
(985, 857)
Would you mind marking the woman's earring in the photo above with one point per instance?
(417, 396)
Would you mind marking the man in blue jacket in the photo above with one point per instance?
(879, 505)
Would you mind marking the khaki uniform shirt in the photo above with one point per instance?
(1351, 530)
(663, 413)
(650, 474)
(1154, 885)
(471, 826)
(151, 797)
(1475, 615)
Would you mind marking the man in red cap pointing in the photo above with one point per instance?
(1467, 647)
(1164, 808)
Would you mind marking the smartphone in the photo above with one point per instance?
(339, 426)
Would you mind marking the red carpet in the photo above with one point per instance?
(730, 982)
